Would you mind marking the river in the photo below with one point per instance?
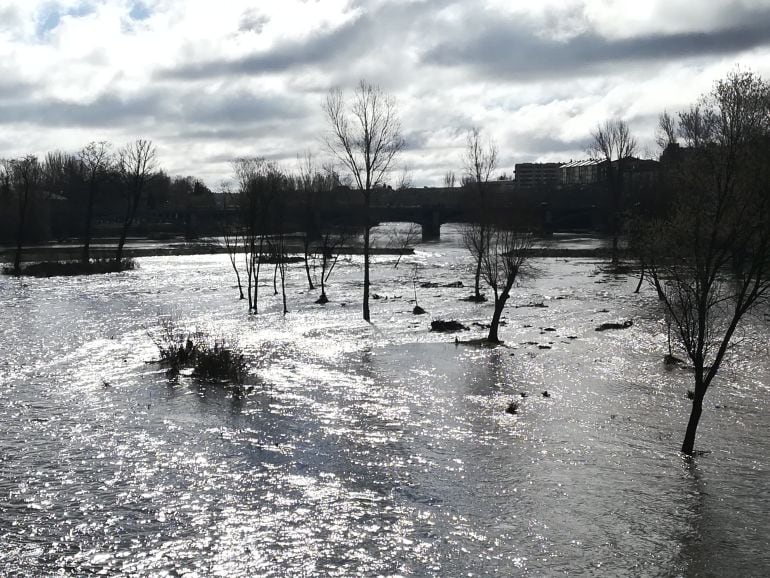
(372, 449)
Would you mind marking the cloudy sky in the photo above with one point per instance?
(209, 81)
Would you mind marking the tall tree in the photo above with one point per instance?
(365, 135)
(25, 177)
(136, 164)
(711, 250)
(613, 143)
(479, 160)
(95, 159)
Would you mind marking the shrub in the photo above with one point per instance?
(220, 361)
(209, 359)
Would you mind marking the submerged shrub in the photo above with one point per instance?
(213, 359)
(220, 361)
(177, 347)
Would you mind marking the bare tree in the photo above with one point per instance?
(613, 143)
(231, 235)
(450, 180)
(95, 159)
(400, 238)
(665, 135)
(305, 185)
(479, 160)
(314, 186)
(332, 240)
(711, 250)
(366, 137)
(262, 191)
(505, 255)
(24, 176)
(136, 165)
(253, 215)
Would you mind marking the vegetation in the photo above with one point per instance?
(480, 160)
(366, 138)
(72, 268)
(209, 359)
(709, 249)
(93, 192)
(612, 142)
(502, 262)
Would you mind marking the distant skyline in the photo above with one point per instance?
(211, 81)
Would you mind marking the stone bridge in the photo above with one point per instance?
(550, 210)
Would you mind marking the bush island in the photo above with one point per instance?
(209, 359)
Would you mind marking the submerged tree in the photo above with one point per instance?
(711, 251)
(231, 235)
(366, 137)
(262, 190)
(313, 187)
(136, 166)
(613, 143)
(23, 176)
(95, 160)
(505, 255)
(480, 160)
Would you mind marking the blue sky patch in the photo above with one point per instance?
(50, 15)
(139, 11)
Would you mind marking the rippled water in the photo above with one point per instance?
(376, 449)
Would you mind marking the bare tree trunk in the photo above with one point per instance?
(256, 274)
(477, 279)
(283, 287)
(366, 272)
(306, 243)
(656, 282)
(240, 286)
(20, 235)
(367, 231)
(275, 278)
(499, 306)
(123, 235)
(232, 253)
(641, 279)
(89, 218)
(692, 425)
(249, 254)
(323, 298)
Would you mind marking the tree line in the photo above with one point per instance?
(64, 194)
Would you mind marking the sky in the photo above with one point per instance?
(210, 81)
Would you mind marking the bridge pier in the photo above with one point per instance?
(431, 227)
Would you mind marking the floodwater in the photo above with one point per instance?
(371, 450)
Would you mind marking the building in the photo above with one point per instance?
(583, 172)
(537, 175)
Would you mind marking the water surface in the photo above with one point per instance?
(370, 450)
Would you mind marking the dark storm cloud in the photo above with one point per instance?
(319, 47)
(509, 49)
(161, 106)
(107, 110)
